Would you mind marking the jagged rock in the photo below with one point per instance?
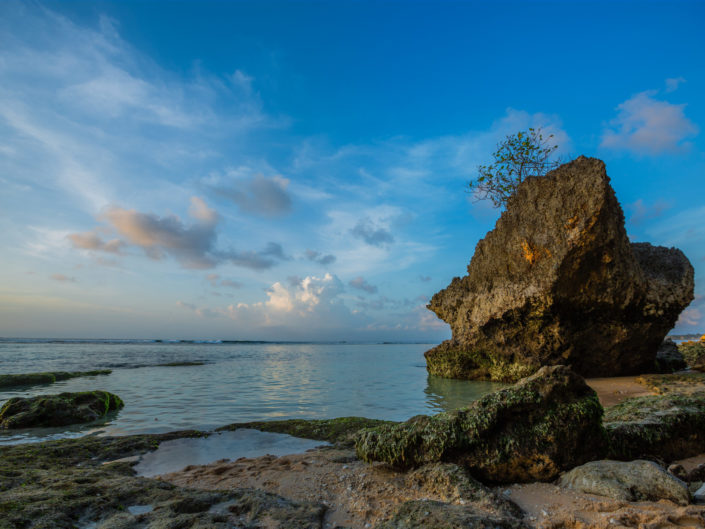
(669, 427)
(627, 481)
(546, 423)
(557, 282)
(58, 410)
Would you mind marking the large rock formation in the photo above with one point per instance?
(558, 282)
(547, 423)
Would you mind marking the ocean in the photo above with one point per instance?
(238, 382)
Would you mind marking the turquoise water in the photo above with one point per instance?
(239, 382)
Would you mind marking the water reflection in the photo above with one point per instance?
(446, 394)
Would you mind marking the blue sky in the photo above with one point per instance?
(297, 170)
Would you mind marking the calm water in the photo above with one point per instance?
(239, 382)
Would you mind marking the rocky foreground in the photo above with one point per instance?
(88, 482)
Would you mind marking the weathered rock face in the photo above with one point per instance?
(557, 282)
(58, 410)
(546, 423)
(627, 481)
(668, 358)
(694, 354)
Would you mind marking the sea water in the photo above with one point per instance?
(237, 382)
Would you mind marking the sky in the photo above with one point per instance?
(298, 170)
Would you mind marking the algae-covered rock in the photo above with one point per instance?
(627, 481)
(669, 427)
(49, 377)
(694, 354)
(424, 514)
(341, 430)
(558, 282)
(64, 485)
(546, 423)
(58, 410)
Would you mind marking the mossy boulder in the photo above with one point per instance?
(694, 354)
(667, 427)
(58, 410)
(557, 281)
(546, 423)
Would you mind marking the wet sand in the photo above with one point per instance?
(614, 390)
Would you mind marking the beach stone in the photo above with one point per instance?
(669, 427)
(699, 495)
(627, 481)
(546, 423)
(425, 514)
(669, 358)
(678, 471)
(58, 410)
(558, 282)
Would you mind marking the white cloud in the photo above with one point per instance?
(673, 83)
(649, 126)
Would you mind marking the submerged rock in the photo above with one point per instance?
(669, 427)
(33, 379)
(558, 282)
(58, 410)
(627, 481)
(547, 423)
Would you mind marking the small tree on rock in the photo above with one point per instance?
(517, 157)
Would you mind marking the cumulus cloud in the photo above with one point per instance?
(372, 233)
(649, 126)
(691, 317)
(361, 284)
(62, 278)
(318, 257)
(267, 197)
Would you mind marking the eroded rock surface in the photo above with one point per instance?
(58, 410)
(546, 423)
(558, 282)
(627, 480)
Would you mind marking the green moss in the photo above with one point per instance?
(668, 427)
(33, 379)
(58, 410)
(63, 484)
(693, 353)
(455, 362)
(340, 431)
(533, 427)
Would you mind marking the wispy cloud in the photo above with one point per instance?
(318, 257)
(360, 283)
(372, 233)
(640, 211)
(62, 278)
(260, 195)
(646, 125)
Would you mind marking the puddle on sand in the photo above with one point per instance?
(179, 453)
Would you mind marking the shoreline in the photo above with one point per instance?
(324, 487)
